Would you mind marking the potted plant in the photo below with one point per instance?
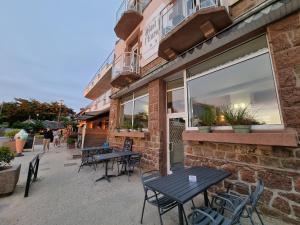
(127, 125)
(9, 175)
(207, 119)
(140, 127)
(20, 138)
(11, 135)
(71, 140)
(239, 118)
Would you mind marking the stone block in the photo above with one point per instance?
(276, 180)
(282, 205)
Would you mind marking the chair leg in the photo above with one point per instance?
(143, 210)
(250, 216)
(161, 222)
(259, 216)
(184, 214)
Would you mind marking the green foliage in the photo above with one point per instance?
(71, 140)
(22, 109)
(127, 124)
(6, 156)
(207, 116)
(238, 116)
(33, 126)
(11, 133)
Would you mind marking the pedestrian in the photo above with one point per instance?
(56, 138)
(47, 138)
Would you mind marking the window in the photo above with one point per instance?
(175, 96)
(134, 110)
(245, 82)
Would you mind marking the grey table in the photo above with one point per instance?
(109, 156)
(178, 187)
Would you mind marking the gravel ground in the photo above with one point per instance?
(61, 196)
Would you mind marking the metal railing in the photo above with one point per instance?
(100, 102)
(32, 171)
(135, 5)
(174, 14)
(105, 65)
(128, 62)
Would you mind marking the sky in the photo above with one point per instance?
(50, 49)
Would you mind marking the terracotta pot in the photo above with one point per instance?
(20, 145)
(9, 179)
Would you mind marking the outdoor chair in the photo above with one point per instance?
(232, 196)
(163, 203)
(132, 162)
(87, 159)
(208, 216)
(122, 161)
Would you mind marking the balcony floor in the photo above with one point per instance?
(127, 23)
(124, 79)
(201, 25)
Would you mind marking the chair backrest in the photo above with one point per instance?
(105, 145)
(148, 176)
(255, 195)
(127, 144)
(238, 211)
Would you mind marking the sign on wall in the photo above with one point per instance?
(151, 35)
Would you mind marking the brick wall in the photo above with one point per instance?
(242, 6)
(150, 66)
(279, 167)
(284, 40)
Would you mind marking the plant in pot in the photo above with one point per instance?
(127, 125)
(207, 119)
(240, 118)
(9, 174)
(20, 138)
(71, 142)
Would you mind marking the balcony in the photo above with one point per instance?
(101, 81)
(125, 70)
(185, 23)
(100, 104)
(129, 15)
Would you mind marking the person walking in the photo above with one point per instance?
(56, 138)
(47, 138)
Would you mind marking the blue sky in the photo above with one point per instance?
(50, 49)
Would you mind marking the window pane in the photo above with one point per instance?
(247, 84)
(126, 114)
(175, 101)
(141, 92)
(140, 114)
(175, 84)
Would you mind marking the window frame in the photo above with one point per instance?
(133, 106)
(229, 64)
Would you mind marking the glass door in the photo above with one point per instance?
(176, 149)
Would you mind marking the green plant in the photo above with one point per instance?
(11, 133)
(6, 156)
(208, 116)
(127, 125)
(238, 116)
(71, 141)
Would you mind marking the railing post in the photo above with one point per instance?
(36, 167)
(28, 180)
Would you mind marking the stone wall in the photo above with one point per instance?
(152, 65)
(284, 40)
(279, 168)
(243, 6)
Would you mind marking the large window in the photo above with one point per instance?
(134, 110)
(175, 96)
(245, 82)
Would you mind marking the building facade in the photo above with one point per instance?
(174, 57)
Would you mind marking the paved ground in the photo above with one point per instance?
(61, 196)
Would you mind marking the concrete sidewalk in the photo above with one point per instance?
(61, 196)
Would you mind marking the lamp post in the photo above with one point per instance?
(37, 116)
(61, 102)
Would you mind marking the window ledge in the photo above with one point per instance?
(132, 134)
(287, 138)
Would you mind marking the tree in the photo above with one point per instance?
(23, 109)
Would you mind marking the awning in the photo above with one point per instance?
(258, 18)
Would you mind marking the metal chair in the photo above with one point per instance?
(163, 203)
(132, 162)
(208, 216)
(232, 196)
(126, 147)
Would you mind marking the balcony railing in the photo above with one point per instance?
(133, 5)
(100, 73)
(176, 13)
(126, 64)
(100, 103)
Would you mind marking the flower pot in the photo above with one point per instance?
(241, 128)
(204, 129)
(20, 145)
(9, 179)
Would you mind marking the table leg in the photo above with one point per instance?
(106, 176)
(180, 214)
(206, 200)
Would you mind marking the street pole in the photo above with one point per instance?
(59, 113)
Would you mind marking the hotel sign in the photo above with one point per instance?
(151, 38)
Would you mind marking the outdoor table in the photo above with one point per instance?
(107, 157)
(178, 187)
(87, 153)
